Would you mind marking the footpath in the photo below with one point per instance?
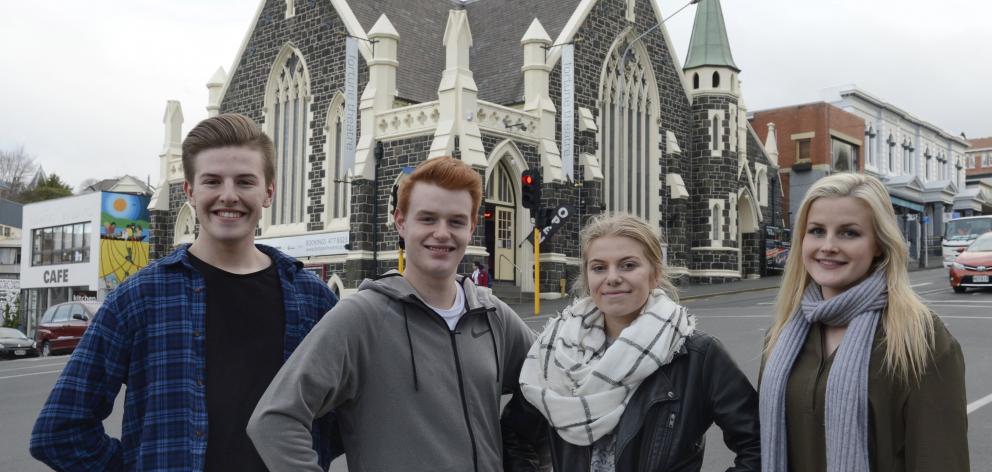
(688, 291)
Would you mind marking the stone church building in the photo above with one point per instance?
(482, 81)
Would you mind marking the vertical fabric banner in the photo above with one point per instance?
(350, 101)
(568, 111)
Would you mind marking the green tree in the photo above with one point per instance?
(11, 316)
(53, 187)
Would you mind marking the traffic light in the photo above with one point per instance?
(530, 184)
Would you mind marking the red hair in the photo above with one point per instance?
(445, 172)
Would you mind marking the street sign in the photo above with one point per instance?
(561, 214)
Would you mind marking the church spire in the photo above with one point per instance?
(709, 45)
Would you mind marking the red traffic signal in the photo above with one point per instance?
(531, 190)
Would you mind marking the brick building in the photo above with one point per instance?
(813, 140)
(483, 82)
(978, 160)
(977, 199)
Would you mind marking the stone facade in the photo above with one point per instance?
(520, 132)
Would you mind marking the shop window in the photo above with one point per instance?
(64, 244)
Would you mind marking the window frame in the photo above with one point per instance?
(49, 245)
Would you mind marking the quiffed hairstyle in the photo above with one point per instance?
(229, 129)
(627, 226)
(907, 322)
(445, 172)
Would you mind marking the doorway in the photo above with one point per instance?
(501, 206)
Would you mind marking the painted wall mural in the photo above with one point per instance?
(124, 230)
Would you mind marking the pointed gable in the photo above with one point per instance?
(420, 24)
(496, 56)
(497, 26)
(709, 45)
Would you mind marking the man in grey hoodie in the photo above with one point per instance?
(414, 364)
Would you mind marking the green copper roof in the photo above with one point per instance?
(709, 45)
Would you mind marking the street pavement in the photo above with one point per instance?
(736, 313)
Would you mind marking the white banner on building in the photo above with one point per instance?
(568, 111)
(350, 101)
(309, 245)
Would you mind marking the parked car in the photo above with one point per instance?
(973, 267)
(63, 325)
(13, 343)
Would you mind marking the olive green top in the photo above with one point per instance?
(923, 427)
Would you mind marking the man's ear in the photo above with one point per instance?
(399, 222)
(188, 190)
(270, 190)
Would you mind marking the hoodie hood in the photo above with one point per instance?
(393, 285)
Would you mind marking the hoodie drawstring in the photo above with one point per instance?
(492, 335)
(409, 341)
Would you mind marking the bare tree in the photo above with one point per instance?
(16, 166)
(84, 184)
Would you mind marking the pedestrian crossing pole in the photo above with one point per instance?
(537, 272)
(402, 263)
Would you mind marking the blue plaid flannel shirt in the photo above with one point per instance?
(148, 334)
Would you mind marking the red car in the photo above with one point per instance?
(63, 325)
(973, 267)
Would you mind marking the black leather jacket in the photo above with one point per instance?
(664, 426)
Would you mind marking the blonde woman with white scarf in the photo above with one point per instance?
(623, 377)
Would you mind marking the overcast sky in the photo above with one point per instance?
(83, 84)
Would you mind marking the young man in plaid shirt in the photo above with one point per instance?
(196, 336)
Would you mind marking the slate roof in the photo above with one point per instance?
(496, 57)
(108, 185)
(11, 213)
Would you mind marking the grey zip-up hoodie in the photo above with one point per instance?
(409, 394)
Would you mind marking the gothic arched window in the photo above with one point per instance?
(338, 192)
(629, 133)
(287, 110)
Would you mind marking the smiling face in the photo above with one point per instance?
(620, 280)
(437, 227)
(228, 192)
(839, 243)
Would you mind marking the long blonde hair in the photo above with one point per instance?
(907, 323)
(628, 226)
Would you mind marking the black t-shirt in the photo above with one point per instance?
(245, 327)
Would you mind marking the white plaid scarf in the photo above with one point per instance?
(580, 382)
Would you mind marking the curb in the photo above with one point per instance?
(730, 292)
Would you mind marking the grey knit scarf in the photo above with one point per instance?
(846, 414)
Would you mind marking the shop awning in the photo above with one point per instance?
(907, 204)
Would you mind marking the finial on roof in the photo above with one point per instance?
(218, 78)
(383, 27)
(535, 33)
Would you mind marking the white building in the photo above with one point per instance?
(921, 164)
(80, 247)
